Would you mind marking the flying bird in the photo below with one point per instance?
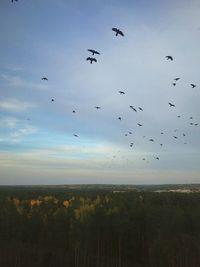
(91, 59)
(122, 92)
(126, 134)
(178, 116)
(191, 123)
(169, 57)
(171, 105)
(193, 85)
(139, 124)
(191, 118)
(97, 107)
(161, 133)
(174, 84)
(151, 140)
(52, 100)
(161, 144)
(133, 108)
(75, 135)
(157, 158)
(73, 111)
(117, 31)
(140, 108)
(130, 132)
(195, 124)
(44, 78)
(175, 137)
(176, 79)
(93, 52)
(119, 118)
(183, 134)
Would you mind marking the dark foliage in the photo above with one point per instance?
(56, 228)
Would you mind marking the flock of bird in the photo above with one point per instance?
(92, 59)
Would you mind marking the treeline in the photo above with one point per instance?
(99, 229)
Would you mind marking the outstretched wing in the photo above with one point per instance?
(171, 105)
(93, 51)
(115, 29)
(121, 33)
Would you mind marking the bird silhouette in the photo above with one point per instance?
(191, 118)
(169, 57)
(97, 107)
(140, 108)
(191, 123)
(195, 124)
(44, 79)
(122, 92)
(151, 140)
(117, 31)
(93, 52)
(52, 100)
(157, 158)
(130, 132)
(73, 111)
(175, 137)
(133, 108)
(161, 144)
(178, 116)
(91, 59)
(75, 135)
(161, 133)
(176, 79)
(139, 124)
(174, 84)
(171, 105)
(193, 85)
(183, 134)
(126, 134)
(119, 118)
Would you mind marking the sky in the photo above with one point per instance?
(47, 38)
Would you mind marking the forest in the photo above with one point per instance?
(55, 227)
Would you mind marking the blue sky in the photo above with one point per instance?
(50, 39)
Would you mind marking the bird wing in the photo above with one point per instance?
(115, 29)
(121, 33)
(91, 50)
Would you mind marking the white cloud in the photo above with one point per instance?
(16, 81)
(15, 105)
(9, 122)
